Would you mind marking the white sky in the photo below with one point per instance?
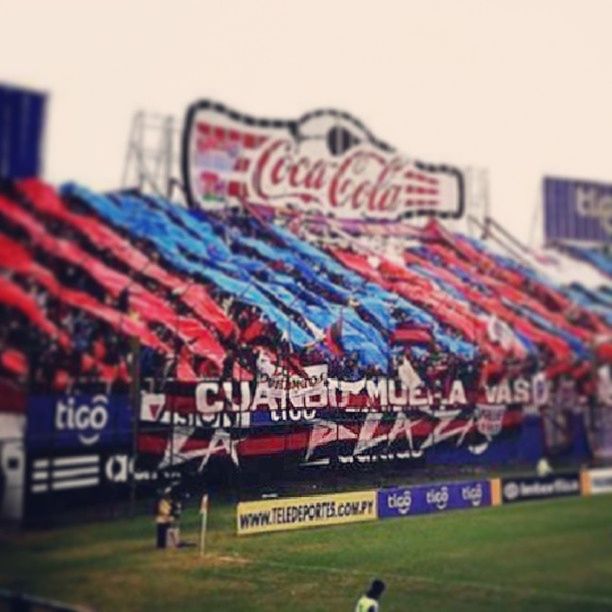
(522, 87)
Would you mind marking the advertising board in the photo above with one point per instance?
(431, 498)
(599, 481)
(300, 512)
(578, 211)
(78, 421)
(326, 162)
(532, 487)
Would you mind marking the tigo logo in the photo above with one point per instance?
(438, 497)
(472, 494)
(87, 421)
(400, 502)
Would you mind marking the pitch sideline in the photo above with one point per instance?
(543, 593)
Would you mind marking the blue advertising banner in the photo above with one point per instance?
(425, 499)
(22, 117)
(579, 211)
(78, 421)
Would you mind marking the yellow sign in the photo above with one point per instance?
(300, 512)
(496, 496)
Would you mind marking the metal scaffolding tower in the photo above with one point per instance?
(152, 156)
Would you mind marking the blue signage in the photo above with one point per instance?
(579, 211)
(78, 421)
(22, 119)
(425, 499)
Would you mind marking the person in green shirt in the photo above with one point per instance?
(369, 601)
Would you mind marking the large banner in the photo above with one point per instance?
(578, 211)
(325, 162)
(300, 512)
(324, 424)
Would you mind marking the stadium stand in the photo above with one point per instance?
(90, 270)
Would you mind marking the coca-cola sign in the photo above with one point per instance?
(326, 162)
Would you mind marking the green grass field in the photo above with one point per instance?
(553, 555)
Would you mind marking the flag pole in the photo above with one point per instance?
(204, 520)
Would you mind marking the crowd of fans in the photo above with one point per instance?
(84, 298)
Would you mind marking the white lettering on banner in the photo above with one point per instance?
(293, 415)
(591, 202)
(472, 494)
(369, 435)
(202, 392)
(534, 489)
(220, 443)
(400, 502)
(119, 468)
(438, 497)
(316, 391)
(87, 420)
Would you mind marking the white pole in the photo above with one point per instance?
(204, 515)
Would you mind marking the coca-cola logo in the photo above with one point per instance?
(361, 181)
(326, 162)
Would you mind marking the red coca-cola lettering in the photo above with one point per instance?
(365, 180)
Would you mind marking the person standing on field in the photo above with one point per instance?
(369, 601)
(163, 519)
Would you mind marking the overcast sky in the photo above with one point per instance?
(523, 88)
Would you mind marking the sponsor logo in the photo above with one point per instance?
(594, 203)
(472, 494)
(327, 160)
(438, 498)
(65, 473)
(425, 499)
(519, 489)
(293, 414)
(400, 501)
(577, 210)
(119, 468)
(87, 420)
(511, 490)
(300, 512)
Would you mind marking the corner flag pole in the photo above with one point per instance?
(204, 517)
